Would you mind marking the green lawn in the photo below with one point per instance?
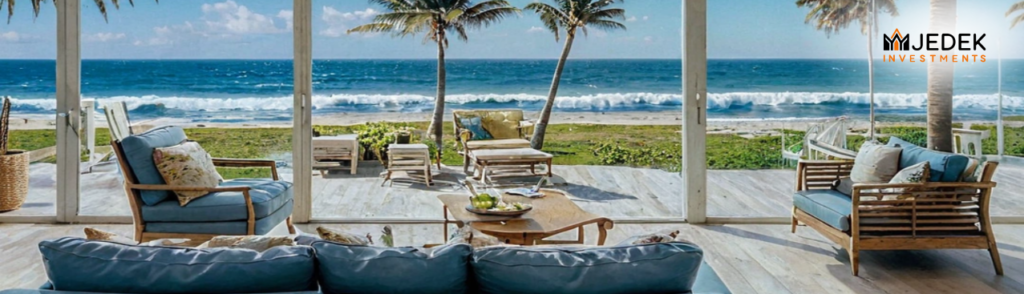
(572, 144)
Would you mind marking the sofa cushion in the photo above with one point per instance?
(263, 225)
(476, 127)
(648, 268)
(74, 264)
(945, 166)
(875, 163)
(829, 206)
(366, 269)
(267, 197)
(138, 151)
(187, 164)
(498, 144)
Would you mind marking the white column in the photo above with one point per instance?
(302, 133)
(695, 68)
(69, 63)
(89, 128)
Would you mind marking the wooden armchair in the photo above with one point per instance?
(236, 207)
(933, 215)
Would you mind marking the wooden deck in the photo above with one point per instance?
(616, 192)
(749, 258)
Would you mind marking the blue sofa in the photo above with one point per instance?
(949, 211)
(74, 264)
(236, 207)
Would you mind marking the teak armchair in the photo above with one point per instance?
(236, 207)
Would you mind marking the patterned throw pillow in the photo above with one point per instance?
(258, 243)
(476, 239)
(343, 237)
(917, 173)
(875, 163)
(476, 126)
(100, 235)
(187, 164)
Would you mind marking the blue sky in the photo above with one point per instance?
(255, 29)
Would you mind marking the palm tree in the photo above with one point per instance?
(570, 16)
(101, 4)
(436, 18)
(832, 16)
(1019, 6)
(942, 19)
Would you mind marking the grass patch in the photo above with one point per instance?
(572, 144)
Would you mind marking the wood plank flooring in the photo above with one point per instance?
(749, 258)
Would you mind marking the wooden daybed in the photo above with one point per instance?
(939, 215)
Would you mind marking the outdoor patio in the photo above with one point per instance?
(615, 192)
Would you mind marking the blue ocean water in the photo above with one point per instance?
(253, 90)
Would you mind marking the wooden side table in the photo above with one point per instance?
(335, 149)
(409, 157)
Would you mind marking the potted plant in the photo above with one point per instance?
(403, 135)
(13, 166)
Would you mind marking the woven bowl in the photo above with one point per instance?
(13, 179)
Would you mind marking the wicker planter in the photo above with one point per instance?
(13, 179)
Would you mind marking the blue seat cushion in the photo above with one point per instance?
(830, 206)
(366, 269)
(138, 151)
(75, 264)
(475, 125)
(262, 227)
(647, 268)
(267, 197)
(708, 281)
(945, 166)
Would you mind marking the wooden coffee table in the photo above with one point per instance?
(551, 215)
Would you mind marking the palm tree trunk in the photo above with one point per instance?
(437, 122)
(537, 142)
(940, 81)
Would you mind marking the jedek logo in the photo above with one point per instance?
(940, 47)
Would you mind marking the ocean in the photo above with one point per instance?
(260, 90)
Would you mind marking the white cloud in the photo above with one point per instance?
(631, 19)
(339, 22)
(11, 36)
(645, 18)
(103, 37)
(648, 39)
(287, 16)
(535, 29)
(166, 35)
(232, 19)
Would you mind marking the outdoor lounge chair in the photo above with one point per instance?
(235, 207)
(943, 213)
(507, 127)
(822, 141)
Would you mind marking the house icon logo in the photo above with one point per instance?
(896, 42)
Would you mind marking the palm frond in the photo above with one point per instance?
(1019, 6)
(605, 25)
(832, 16)
(36, 6)
(490, 16)
(376, 27)
(1016, 20)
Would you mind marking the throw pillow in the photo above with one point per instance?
(844, 185)
(475, 125)
(651, 238)
(875, 163)
(258, 243)
(186, 164)
(973, 171)
(476, 239)
(101, 235)
(917, 173)
(343, 237)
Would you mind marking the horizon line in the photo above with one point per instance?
(434, 59)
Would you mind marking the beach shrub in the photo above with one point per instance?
(615, 153)
(915, 135)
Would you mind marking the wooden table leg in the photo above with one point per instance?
(549, 167)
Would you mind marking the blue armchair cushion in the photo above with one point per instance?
(475, 125)
(365, 269)
(267, 197)
(263, 225)
(138, 151)
(945, 166)
(647, 268)
(829, 206)
(74, 264)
